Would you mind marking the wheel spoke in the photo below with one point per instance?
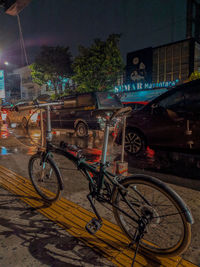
(44, 178)
(165, 228)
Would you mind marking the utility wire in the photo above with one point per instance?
(22, 40)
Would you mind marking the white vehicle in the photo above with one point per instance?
(23, 118)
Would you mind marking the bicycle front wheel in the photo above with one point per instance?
(168, 233)
(45, 177)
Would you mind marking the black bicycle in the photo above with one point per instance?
(150, 213)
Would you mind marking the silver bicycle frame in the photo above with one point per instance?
(105, 143)
(48, 131)
(47, 107)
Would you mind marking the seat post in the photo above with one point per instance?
(105, 143)
(48, 131)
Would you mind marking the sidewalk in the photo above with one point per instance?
(31, 238)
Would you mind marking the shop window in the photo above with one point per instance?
(85, 100)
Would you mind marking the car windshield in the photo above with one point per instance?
(108, 100)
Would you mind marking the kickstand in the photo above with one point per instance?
(136, 250)
(137, 238)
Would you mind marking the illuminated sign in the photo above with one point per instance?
(2, 84)
(143, 86)
(142, 95)
(139, 66)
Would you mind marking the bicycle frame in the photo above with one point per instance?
(89, 169)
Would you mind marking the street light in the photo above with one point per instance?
(13, 7)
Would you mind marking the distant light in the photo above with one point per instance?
(6, 63)
(13, 125)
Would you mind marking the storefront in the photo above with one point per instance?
(152, 71)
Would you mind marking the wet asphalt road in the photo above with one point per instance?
(181, 173)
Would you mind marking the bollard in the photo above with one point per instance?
(188, 132)
(121, 168)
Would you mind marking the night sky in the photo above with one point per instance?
(142, 23)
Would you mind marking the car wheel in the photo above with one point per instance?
(24, 123)
(134, 142)
(81, 129)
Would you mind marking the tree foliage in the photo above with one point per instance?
(52, 64)
(194, 76)
(97, 68)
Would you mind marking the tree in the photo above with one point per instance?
(52, 64)
(97, 68)
(194, 76)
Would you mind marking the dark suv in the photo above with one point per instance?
(171, 121)
(78, 112)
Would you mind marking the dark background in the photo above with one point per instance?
(71, 23)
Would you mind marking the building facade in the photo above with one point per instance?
(166, 63)
(28, 89)
(155, 70)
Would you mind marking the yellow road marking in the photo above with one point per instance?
(109, 240)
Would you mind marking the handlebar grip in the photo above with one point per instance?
(18, 108)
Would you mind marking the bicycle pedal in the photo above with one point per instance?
(93, 226)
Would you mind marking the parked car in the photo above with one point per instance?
(170, 121)
(20, 118)
(78, 113)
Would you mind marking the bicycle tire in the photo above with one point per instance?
(49, 190)
(148, 244)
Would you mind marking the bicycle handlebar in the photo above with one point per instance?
(31, 105)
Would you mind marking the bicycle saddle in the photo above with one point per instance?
(110, 114)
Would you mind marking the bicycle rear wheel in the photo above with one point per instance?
(168, 232)
(45, 177)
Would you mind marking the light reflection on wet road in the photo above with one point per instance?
(15, 144)
(91, 147)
